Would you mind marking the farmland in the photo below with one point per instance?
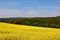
(23, 32)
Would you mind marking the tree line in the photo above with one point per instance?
(53, 22)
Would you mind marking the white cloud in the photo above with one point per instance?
(29, 13)
(33, 13)
(57, 1)
(9, 13)
(17, 13)
(51, 14)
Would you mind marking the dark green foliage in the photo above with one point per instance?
(53, 22)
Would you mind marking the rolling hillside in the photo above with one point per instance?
(23, 32)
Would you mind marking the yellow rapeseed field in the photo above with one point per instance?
(23, 32)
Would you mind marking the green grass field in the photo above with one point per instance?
(23, 32)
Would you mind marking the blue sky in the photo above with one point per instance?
(29, 8)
